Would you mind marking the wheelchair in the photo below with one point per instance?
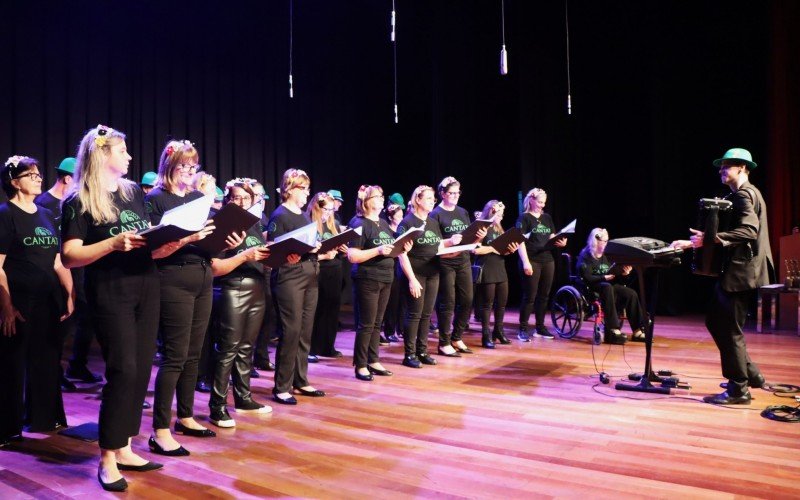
(575, 303)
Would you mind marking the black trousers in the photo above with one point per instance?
(206, 363)
(725, 321)
(535, 293)
(79, 325)
(492, 294)
(186, 297)
(418, 314)
(395, 313)
(295, 289)
(30, 369)
(616, 298)
(371, 297)
(268, 328)
(455, 300)
(125, 316)
(241, 313)
(326, 317)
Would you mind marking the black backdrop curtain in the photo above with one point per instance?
(659, 90)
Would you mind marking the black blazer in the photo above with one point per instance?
(747, 256)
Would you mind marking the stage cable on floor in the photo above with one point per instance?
(503, 51)
(291, 47)
(569, 78)
(393, 41)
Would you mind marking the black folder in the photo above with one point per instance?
(230, 219)
(513, 235)
(342, 238)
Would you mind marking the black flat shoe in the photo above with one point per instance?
(454, 354)
(313, 358)
(67, 385)
(83, 374)
(117, 486)
(157, 449)
(724, 398)
(426, 359)
(411, 362)
(381, 373)
(463, 350)
(366, 378)
(487, 344)
(202, 386)
(316, 393)
(140, 468)
(146, 405)
(198, 433)
(288, 401)
(254, 373)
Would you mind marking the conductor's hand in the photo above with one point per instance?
(127, 241)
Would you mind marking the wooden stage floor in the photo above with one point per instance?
(521, 421)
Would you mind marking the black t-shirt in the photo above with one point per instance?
(132, 217)
(422, 255)
(282, 221)
(592, 270)
(494, 266)
(51, 203)
(325, 235)
(452, 222)
(540, 228)
(249, 269)
(157, 202)
(30, 244)
(373, 234)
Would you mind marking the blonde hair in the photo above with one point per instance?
(489, 211)
(532, 195)
(364, 194)
(413, 202)
(89, 185)
(314, 212)
(175, 153)
(595, 235)
(292, 178)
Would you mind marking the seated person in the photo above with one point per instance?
(596, 272)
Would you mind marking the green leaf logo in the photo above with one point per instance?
(252, 241)
(41, 231)
(128, 216)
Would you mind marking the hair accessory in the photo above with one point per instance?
(13, 163)
(100, 139)
(170, 150)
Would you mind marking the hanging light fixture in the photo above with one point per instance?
(393, 41)
(291, 43)
(503, 51)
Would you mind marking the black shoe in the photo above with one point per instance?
(254, 373)
(615, 338)
(724, 398)
(426, 359)
(454, 354)
(463, 350)
(380, 373)
(316, 393)
(221, 418)
(117, 486)
(312, 358)
(198, 433)
(543, 333)
(146, 405)
(366, 378)
(411, 362)
(523, 336)
(488, 344)
(394, 338)
(5, 441)
(250, 406)
(500, 337)
(338, 354)
(140, 468)
(753, 383)
(288, 401)
(83, 374)
(67, 385)
(268, 366)
(156, 448)
(384, 341)
(433, 328)
(202, 386)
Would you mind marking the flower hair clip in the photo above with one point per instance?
(180, 144)
(101, 139)
(13, 163)
(170, 150)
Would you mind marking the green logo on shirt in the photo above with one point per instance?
(602, 268)
(129, 221)
(455, 227)
(383, 239)
(69, 213)
(43, 238)
(252, 241)
(429, 238)
(541, 229)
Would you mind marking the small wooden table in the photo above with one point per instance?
(769, 296)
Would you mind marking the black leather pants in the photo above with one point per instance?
(241, 312)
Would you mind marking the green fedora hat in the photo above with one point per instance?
(738, 154)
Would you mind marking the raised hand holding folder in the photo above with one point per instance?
(470, 234)
(230, 219)
(342, 238)
(513, 235)
(300, 242)
(179, 222)
(401, 240)
(565, 232)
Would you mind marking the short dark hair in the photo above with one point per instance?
(11, 172)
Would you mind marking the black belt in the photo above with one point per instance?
(204, 263)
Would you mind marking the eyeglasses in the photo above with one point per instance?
(453, 193)
(189, 168)
(307, 189)
(326, 209)
(35, 176)
(380, 196)
(240, 199)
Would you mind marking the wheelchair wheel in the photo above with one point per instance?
(567, 312)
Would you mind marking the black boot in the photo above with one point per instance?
(486, 339)
(500, 336)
